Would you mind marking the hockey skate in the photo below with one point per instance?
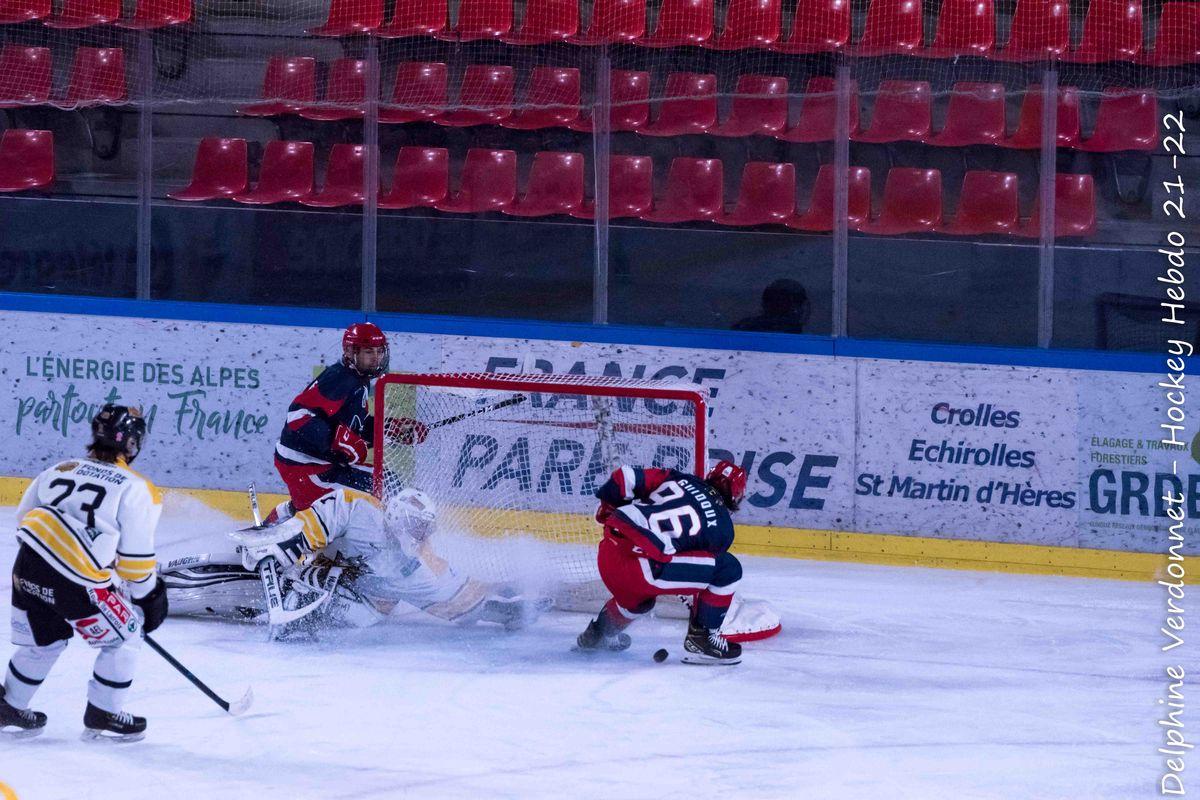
(708, 646)
(24, 723)
(103, 726)
(593, 639)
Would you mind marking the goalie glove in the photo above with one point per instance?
(348, 446)
(258, 544)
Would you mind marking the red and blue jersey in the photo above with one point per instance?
(659, 512)
(338, 396)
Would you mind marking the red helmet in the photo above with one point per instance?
(730, 480)
(364, 334)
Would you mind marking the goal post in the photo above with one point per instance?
(513, 462)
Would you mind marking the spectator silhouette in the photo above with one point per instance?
(785, 309)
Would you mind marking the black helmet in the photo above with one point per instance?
(119, 428)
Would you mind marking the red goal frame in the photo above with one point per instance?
(551, 384)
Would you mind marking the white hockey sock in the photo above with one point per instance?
(112, 676)
(27, 668)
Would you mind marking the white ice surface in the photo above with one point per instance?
(887, 683)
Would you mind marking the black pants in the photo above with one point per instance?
(47, 598)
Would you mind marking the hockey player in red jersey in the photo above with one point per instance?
(667, 532)
(328, 432)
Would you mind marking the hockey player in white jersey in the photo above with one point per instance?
(86, 565)
(364, 559)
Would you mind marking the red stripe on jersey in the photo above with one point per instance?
(635, 536)
(311, 398)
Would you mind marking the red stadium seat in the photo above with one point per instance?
(13, 11)
(26, 160)
(1112, 31)
(551, 102)
(820, 214)
(1040, 30)
(345, 92)
(987, 205)
(546, 21)
(1127, 120)
(348, 17)
(614, 21)
(903, 113)
(681, 22)
(220, 171)
(630, 103)
(421, 178)
(85, 13)
(767, 195)
(750, 24)
(690, 105)
(1074, 208)
(149, 14)
(488, 183)
(893, 26)
(286, 174)
(630, 189)
(818, 115)
(760, 106)
(819, 26)
(481, 19)
(695, 192)
(1178, 38)
(24, 76)
(97, 77)
(912, 203)
(419, 94)
(417, 18)
(343, 178)
(1028, 135)
(289, 84)
(964, 28)
(485, 98)
(555, 186)
(975, 116)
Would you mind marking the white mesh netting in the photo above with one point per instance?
(513, 463)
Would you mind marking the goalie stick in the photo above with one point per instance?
(410, 431)
(268, 575)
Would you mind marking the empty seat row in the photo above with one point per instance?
(147, 14)
(97, 77)
(903, 110)
(694, 191)
(1112, 29)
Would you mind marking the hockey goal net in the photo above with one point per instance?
(513, 463)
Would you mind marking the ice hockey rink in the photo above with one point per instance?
(896, 683)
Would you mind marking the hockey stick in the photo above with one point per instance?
(411, 431)
(235, 708)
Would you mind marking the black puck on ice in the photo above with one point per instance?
(661, 655)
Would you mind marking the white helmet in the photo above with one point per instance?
(411, 513)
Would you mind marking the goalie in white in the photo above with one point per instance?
(360, 559)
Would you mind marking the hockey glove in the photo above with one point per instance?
(153, 606)
(603, 510)
(348, 446)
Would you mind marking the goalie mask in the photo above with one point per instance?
(411, 514)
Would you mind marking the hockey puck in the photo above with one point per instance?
(661, 655)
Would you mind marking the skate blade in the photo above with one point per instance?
(108, 737)
(708, 661)
(23, 733)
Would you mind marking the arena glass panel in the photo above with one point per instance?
(78, 233)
